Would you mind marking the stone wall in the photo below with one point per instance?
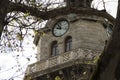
(85, 34)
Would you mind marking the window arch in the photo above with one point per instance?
(54, 48)
(68, 43)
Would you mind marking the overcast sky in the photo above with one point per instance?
(12, 66)
(111, 6)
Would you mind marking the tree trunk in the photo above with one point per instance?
(109, 63)
(3, 13)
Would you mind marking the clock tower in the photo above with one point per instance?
(69, 46)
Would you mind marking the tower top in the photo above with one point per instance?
(78, 3)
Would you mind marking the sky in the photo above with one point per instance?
(111, 6)
(13, 64)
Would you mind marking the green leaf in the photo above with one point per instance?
(57, 78)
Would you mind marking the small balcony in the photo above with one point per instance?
(77, 56)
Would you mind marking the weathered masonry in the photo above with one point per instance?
(69, 45)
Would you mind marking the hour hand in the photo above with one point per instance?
(58, 27)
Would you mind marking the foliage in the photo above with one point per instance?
(57, 78)
(22, 25)
(20, 28)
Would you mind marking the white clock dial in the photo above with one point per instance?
(60, 28)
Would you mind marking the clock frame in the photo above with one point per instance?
(60, 27)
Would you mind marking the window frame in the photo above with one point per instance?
(68, 43)
(54, 48)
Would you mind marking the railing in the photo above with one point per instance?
(84, 55)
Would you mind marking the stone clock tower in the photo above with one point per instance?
(69, 45)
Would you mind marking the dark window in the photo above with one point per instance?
(54, 48)
(68, 43)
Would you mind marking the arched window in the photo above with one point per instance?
(54, 48)
(68, 43)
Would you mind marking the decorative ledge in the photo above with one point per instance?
(83, 56)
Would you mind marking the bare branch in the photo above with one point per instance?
(59, 11)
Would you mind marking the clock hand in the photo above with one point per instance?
(59, 27)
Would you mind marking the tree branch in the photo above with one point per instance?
(3, 14)
(45, 15)
(59, 11)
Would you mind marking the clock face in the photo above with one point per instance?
(60, 28)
